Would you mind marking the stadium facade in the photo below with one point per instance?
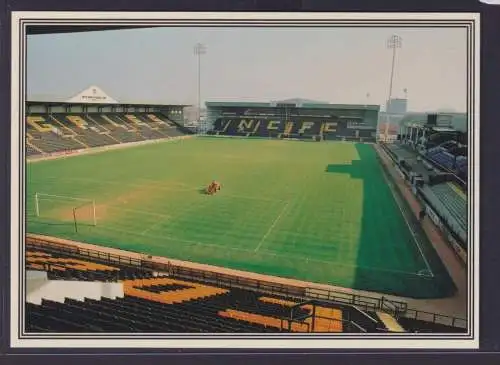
(309, 121)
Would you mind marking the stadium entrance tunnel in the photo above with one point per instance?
(394, 254)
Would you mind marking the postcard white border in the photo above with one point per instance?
(286, 343)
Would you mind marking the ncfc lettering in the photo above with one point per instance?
(264, 125)
(134, 119)
(78, 121)
(39, 124)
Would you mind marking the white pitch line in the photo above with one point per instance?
(225, 247)
(341, 264)
(272, 227)
(138, 211)
(391, 187)
(167, 186)
(157, 185)
(253, 198)
(163, 186)
(222, 194)
(262, 252)
(160, 220)
(170, 238)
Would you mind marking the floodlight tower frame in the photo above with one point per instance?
(199, 50)
(394, 42)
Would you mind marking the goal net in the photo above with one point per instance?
(62, 208)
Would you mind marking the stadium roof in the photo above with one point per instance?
(434, 128)
(121, 103)
(302, 101)
(457, 121)
(53, 29)
(95, 95)
(444, 129)
(236, 104)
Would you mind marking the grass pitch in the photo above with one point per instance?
(320, 212)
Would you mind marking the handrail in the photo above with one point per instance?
(314, 316)
(436, 318)
(389, 307)
(456, 179)
(370, 318)
(358, 326)
(232, 281)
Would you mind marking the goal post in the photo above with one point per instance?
(62, 207)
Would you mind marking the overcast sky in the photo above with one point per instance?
(337, 65)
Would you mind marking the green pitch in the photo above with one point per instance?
(320, 212)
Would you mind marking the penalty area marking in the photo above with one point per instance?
(175, 187)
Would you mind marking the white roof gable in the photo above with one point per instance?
(92, 95)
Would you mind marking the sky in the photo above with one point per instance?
(336, 65)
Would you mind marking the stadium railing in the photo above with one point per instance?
(436, 318)
(365, 302)
(453, 174)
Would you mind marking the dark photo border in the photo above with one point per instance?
(33, 22)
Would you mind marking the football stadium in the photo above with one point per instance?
(268, 217)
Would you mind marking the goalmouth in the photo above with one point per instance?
(81, 211)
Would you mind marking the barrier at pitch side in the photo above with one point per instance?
(71, 153)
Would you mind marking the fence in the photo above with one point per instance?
(436, 318)
(91, 150)
(298, 293)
